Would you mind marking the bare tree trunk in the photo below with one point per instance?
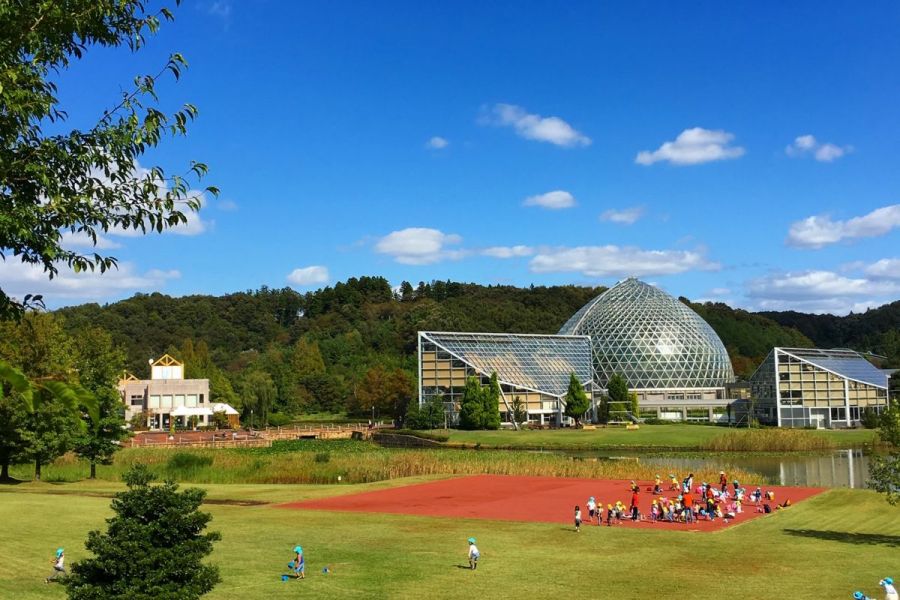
(37, 469)
(4, 471)
(93, 470)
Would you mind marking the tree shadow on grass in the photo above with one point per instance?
(875, 539)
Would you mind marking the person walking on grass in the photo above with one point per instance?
(890, 592)
(59, 567)
(474, 554)
(577, 519)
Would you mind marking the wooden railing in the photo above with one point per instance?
(253, 438)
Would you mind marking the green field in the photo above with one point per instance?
(825, 547)
(680, 436)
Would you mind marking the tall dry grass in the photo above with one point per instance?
(769, 440)
(359, 463)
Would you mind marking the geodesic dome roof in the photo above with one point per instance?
(652, 339)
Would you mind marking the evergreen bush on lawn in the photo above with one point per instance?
(153, 547)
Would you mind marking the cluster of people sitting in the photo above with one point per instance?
(691, 504)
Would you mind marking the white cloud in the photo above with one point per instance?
(220, 8)
(808, 145)
(437, 143)
(693, 147)
(21, 278)
(720, 291)
(535, 127)
(819, 291)
(80, 239)
(886, 268)
(309, 275)
(820, 230)
(419, 246)
(626, 216)
(554, 200)
(604, 261)
(508, 251)
(226, 205)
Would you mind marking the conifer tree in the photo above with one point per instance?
(577, 402)
(153, 547)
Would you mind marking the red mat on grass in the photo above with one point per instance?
(535, 499)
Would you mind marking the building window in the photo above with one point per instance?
(201, 398)
(137, 400)
(154, 402)
(838, 414)
(854, 413)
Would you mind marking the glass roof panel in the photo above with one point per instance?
(846, 363)
(538, 362)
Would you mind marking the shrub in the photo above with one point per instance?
(167, 527)
(189, 460)
(322, 457)
(279, 419)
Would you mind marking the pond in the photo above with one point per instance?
(840, 468)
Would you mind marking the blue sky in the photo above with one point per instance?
(747, 152)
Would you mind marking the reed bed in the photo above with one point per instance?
(770, 440)
(357, 462)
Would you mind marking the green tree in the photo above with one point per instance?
(577, 402)
(389, 391)
(471, 406)
(99, 364)
(603, 409)
(153, 547)
(617, 390)
(85, 181)
(634, 404)
(428, 416)
(491, 399)
(42, 402)
(258, 394)
(884, 472)
(519, 411)
(433, 415)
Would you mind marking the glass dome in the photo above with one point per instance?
(652, 339)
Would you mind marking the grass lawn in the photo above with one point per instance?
(684, 436)
(825, 547)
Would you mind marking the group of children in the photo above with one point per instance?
(706, 501)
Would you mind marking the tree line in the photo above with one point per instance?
(351, 347)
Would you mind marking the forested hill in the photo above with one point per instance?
(312, 351)
(877, 330)
(384, 322)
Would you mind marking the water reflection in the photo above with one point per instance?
(842, 468)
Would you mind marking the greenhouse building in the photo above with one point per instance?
(533, 368)
(669, 356)
(802, 387)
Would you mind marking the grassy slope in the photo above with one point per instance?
(825, 547)
(648, 436)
